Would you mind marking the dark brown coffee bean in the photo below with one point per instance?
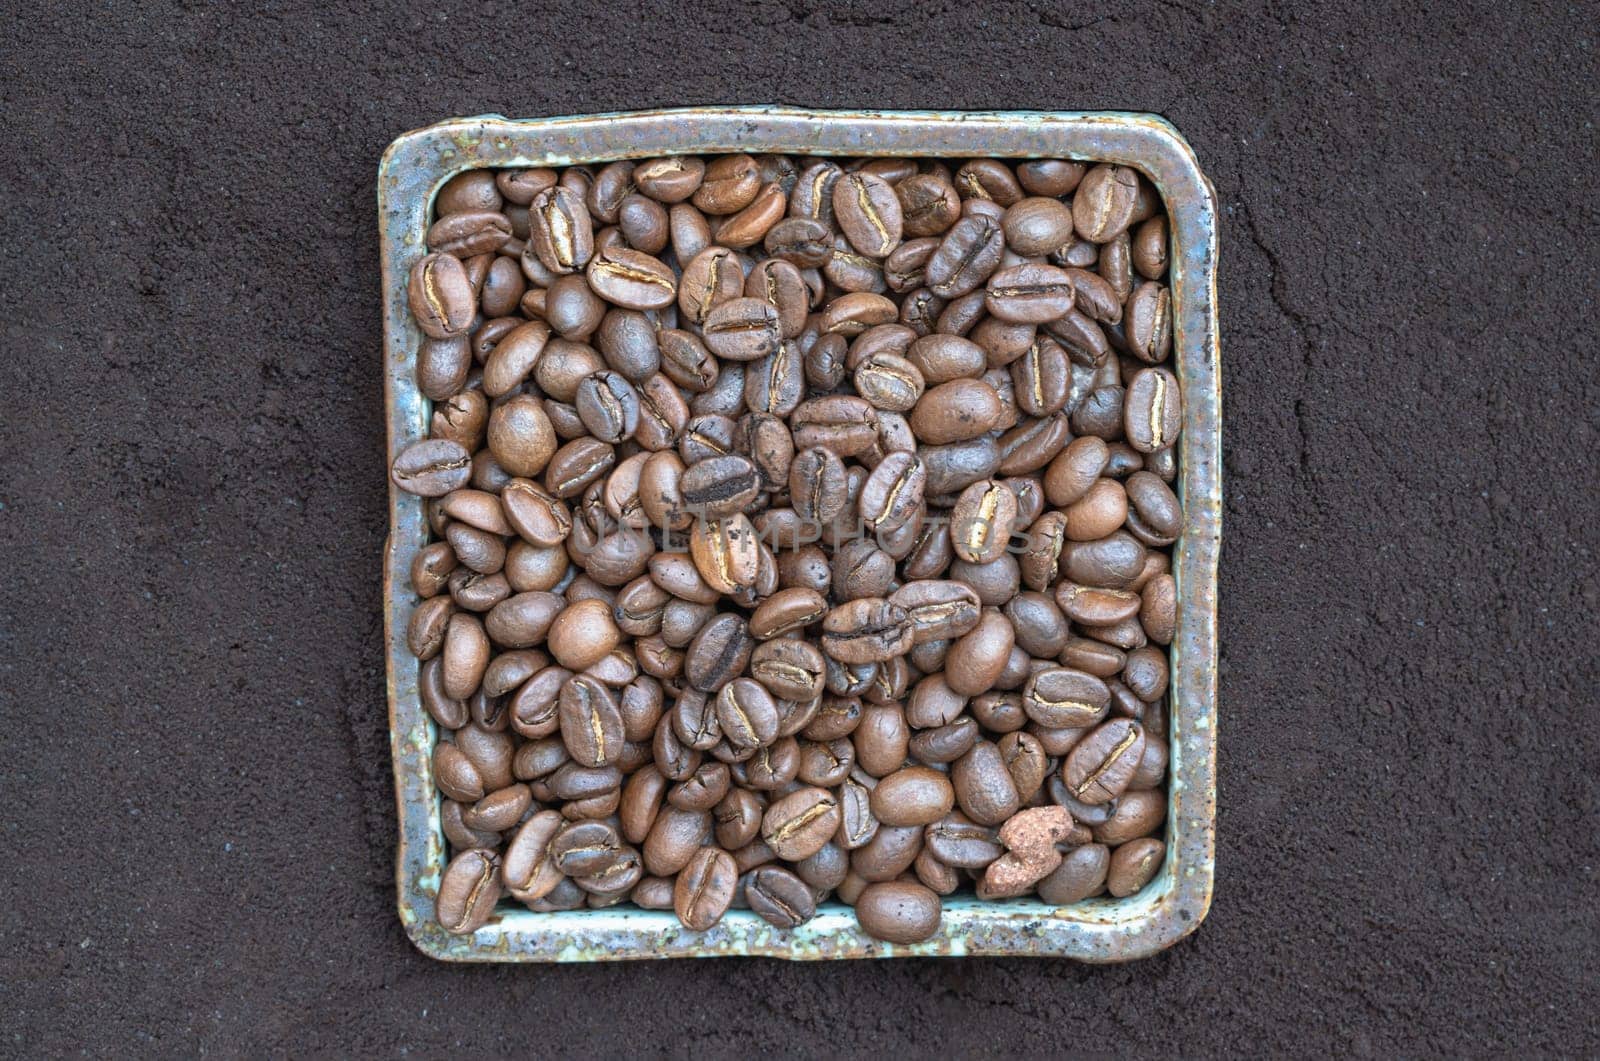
(730, 184)
(747, 227)
(779, 897)
(441, 297)
(432, 468)
(968, 255)
(686, 361)
(892, 494)
(1133, 865)
(982, 522)
(786, 611)
(469, 234)
(865, 631)
(704, 888)
(955, 411)
(1149, 323)
(719, 486)
(713, 277)
(609, 406)
(747, 714)
(669, 180)
(789, 669)
(868, 212)
(591, 724)
(1036, 226)
(1103, 205)
(1158, 608)
(1102, 764)
(468, 891)
(1041, 378)
(1114, 562)
(929, 204)
(805, 243)
(977, 658)
(726, 552)
(898, 912)
(797, 825)
(781, 285)
(1149, 248)
(1081, 874)
(938, 610)
(775, 384)
(1030, 294)
(1098, 513)
(632, 279)
(957, 840)
(1154, 516)
(743, 329)
(915, 795)
(469, 192)
(1061, 698)
(984, 788)
(719, 653)
(1153, 410)
(560, 231)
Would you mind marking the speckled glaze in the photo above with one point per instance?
(1098, 930)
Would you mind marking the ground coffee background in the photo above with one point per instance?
(198, 814)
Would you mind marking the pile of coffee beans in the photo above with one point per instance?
(800, 530)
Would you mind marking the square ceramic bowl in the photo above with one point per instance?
(1097, 930)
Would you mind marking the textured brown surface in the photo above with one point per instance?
(199, 825)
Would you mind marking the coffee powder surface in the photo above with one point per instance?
(200, 824)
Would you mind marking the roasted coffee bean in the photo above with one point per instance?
(969, 253)
(560, 231)
(1041, 629)
(1158, 607)
(915, 795)
(1149, 322)
(797, 825)
(719, 486)
(779, 897)
(432, 468)
(929, 204)
(898, 911)
(1103, 205)
(609, 406)
(743, 329)
(865, 631)
(1133, 865)
(977, 658)
(468, 891)
(1114, 562)
(704, 888)
(956, 411)
(726, 552)
(440, 296)
(982, 521)
(938, 610)
(730, 184)
(746, 714)
(1102, 764)
(868, 212)
(892, 495)
(789, 669)
(1153, 410)
(983, 785)
(775, 384)
(591, 724)
(1030, 294)
(632, 279)
(1060, 698)
(718, 653)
